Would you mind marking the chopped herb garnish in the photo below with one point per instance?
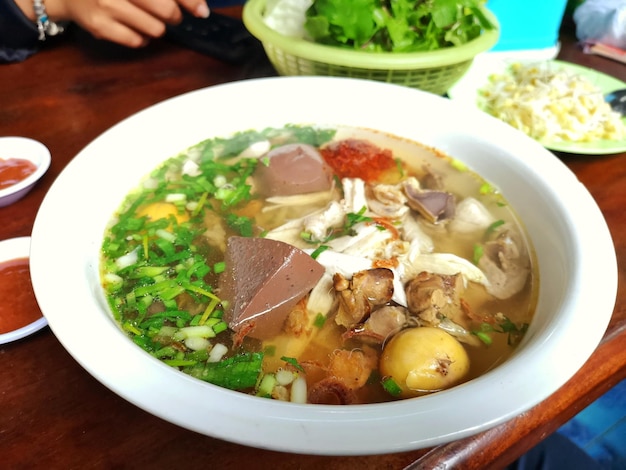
(352, 219)
(505, 325)
(515, 332)
(400, 167)
(391, 387)
(293, 361)
(458, 165)
(179, 362)
(493, 227)
(319, 250)
(242, 224)
(219, 267)
(268, 382)
(238, 372)
(479, 250)
(483, 333)
(486, 188)
(319, 320)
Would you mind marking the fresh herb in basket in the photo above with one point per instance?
(395, 25)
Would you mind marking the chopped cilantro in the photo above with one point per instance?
(505, 325)
(242, 224)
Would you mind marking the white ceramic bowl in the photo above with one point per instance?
(15, 248)
(27, 149)
(578, 269)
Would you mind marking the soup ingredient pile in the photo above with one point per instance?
(551, 104)
(319, 266)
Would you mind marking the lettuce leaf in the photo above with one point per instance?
(395, 25)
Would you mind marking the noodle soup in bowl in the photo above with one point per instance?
(163, 365)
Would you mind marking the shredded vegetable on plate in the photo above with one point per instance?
(551, 104)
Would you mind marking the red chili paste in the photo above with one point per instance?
(14, 170)
(354, 158)
(18, 306)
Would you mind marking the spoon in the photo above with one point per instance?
(617, 100)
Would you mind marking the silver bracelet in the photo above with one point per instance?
(44, 25)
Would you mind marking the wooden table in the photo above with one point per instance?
(54, 414)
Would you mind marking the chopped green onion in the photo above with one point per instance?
(147, 271)
(400, 166)
(486, 188)
(268, 382)
(179, 362)
(479, 250)
(201, 202)
(319, 250)
(293, 361)
(458, 165)
(240, 223)
(219, 181)
(199, 331)
(219, 267)
(492, 228)
(127, 326)
(352, 219)
(219, 327)
(391, 387)
(319, 321)
(238, 372)
(212, 304)
(484, 337)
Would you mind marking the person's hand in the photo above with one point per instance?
(131, 23)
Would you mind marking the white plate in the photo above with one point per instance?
(15, 248)
(477, 77)
(570, 236)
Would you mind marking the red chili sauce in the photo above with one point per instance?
(354, 158)
(14, 170)
(18, 306)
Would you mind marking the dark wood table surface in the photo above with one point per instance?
(54, 414)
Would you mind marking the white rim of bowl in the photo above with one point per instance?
(10, 249)
(27, 149)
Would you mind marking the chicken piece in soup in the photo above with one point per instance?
(320, 265)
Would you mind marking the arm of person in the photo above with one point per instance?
(131, 23)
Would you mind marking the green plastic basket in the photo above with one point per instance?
(433, 71)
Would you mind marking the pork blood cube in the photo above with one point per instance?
(292, 169)
(263, 280)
